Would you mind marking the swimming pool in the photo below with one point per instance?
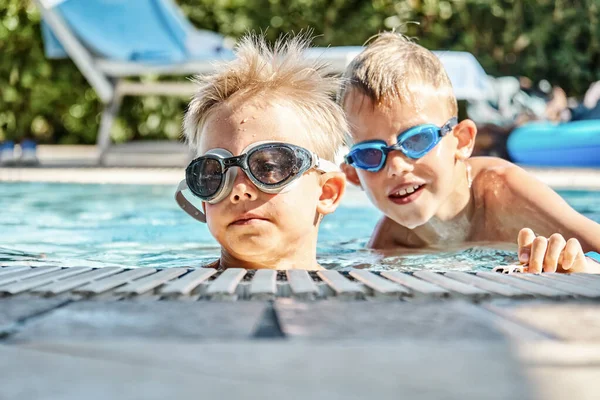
(140, 225)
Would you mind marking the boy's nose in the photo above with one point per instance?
(398, 164)
(243, 189)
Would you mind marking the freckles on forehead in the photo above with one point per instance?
(236, 127)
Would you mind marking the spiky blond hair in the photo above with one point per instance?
(284, 74)
(392, 67)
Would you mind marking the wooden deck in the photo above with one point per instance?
(79, 332)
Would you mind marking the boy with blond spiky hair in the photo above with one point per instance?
(265, 130)
(411, 156)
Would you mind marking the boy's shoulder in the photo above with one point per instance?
(489, 166)
(495, 179)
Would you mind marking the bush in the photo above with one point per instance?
(541, 39)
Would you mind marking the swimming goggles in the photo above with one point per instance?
(271, 166)
(414, 143)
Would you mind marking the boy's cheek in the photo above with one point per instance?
(371, 184)
(214, 219)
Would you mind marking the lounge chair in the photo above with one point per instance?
(110, 41)
(108, 45)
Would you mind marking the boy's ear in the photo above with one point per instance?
(465, 133)
(351, 174)
(333, 187)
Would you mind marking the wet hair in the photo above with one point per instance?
(278, 74)
(393, 68)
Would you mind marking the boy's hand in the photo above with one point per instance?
(553, 254)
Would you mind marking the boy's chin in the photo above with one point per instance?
(411, 221)
(253, 245)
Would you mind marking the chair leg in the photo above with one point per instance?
(111, 110)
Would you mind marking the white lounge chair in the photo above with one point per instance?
(112, 41)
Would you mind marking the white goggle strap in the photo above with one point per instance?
(325, 165)
(321, 165)
(185, 205)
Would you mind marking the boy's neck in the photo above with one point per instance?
(453, 220)
(295, 259)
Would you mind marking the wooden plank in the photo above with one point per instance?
(453, 286)
(224, 287)
(301, 284)
(529, 287)
(26, 284)
(574, 289)
(150, 282)
(591, 277)
(490, 286)
(342, 287)
(379, 285)
(577, 279)
(263, 285)
(25, 274)
(186, 284)
(9, 270)
(103, 285)
(63, 285)
(418, 287)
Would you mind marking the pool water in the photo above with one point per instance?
(141, 226)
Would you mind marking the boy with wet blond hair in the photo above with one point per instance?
(265, 130)
(411, 155)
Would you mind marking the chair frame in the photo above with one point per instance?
(109, 79)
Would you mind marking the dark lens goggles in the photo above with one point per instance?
(271, 166)
(414, 143)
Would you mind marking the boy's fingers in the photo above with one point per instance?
(570, 255)
(580, 264)
(572, 248)
(556, 244)
(538, 253)
(524, 240)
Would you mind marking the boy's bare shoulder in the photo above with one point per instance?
(488, 166)
(495, 179)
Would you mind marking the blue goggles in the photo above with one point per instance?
(413, 143)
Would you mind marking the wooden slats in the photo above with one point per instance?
(577, 279)
(341, 286)
(301, 284)
(200, 283)
(379, 285)
(150, 282)
(418, 287)
(456, 287)
(224, 287)
(10, 270)
(572, 288)
(263, 285)
(106, 284)
(529, 287)
(487, 285)
(27, 284)
(64, 285)
(186, 284)
(26, 274)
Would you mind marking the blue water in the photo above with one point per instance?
(126, 225)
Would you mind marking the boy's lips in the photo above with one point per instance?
(406, 193)
(248, 218)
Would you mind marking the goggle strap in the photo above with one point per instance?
(325, 165)
(448, 126)
(185, 205)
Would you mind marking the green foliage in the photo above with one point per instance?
(558, 40)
